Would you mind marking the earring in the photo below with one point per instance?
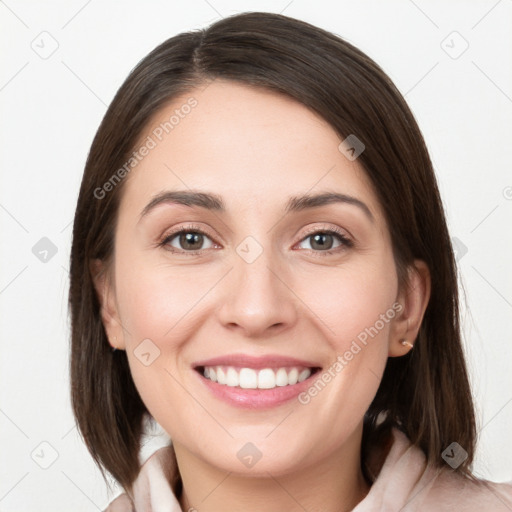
(115, 341)
(405, 343)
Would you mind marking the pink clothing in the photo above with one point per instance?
(405, 483)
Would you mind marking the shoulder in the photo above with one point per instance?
(452, 491)
(121, 504)
(406, 481)
(152, 483)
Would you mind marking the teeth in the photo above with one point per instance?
(281, 377)
(293, 376)
(221, 376)
(266, 379)
(232, 377)
(247, 378)
(304, 374)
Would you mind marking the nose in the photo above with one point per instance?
(258, 298)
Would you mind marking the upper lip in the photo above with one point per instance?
(247, 361)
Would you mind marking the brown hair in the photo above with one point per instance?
(426, 393)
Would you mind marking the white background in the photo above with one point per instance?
(52, 107)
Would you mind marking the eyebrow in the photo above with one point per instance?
(215, 202)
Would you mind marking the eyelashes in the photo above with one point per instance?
(318, 233)
(187, 230)
(198, 236)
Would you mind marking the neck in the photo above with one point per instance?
(334, 483)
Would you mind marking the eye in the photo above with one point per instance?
(322, 241)
(190, 239)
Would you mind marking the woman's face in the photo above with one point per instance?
(261, 291)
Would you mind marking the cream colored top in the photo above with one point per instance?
(405, 483)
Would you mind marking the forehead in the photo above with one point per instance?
(252, 146)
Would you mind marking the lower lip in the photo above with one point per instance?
(256, 398)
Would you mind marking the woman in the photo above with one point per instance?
(261, 264)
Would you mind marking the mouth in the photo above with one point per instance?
(256, 378)
(255, 382)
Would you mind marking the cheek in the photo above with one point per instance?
(150, 307)
(354, 310)
(156, 301)
(158, 306)
(352, 301)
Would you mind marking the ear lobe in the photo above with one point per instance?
(414, 299)
(106, 295)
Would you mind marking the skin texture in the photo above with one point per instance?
(255, 149)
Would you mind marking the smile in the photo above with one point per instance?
(255, 381)
(250, 378)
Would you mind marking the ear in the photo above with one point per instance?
(414, 299)
(102, 279)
